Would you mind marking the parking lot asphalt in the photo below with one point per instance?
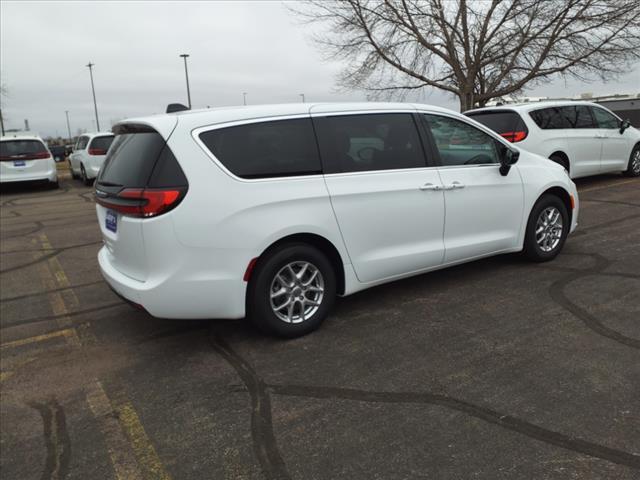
(495, 369)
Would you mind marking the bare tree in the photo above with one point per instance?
(475, 50)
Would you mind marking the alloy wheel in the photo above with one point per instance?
(296, 292)
(549, 229)
(635, 162)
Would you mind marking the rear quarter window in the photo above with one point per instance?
(266, 149)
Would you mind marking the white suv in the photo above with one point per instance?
(272, 211)
(585, 138)
(88, 155)
(26, 158)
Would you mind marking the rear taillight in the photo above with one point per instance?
(514, 137)
(97, 151)
(143, 202)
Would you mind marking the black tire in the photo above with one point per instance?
(259, 309)
(560, 160)
(532, 250)
(74, 175)
(633, 169)
(83, 174)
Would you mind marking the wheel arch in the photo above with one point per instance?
(563, 195)
(322, 244)
(563, 155)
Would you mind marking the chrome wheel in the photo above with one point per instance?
(296, 292)
(635, 162)
(549, 229)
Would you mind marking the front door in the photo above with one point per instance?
(616, 146)
(484, 209)
(388, 203)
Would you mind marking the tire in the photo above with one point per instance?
(54, 185)
(560, 160)
(269, 275)
(535, 249)
(83, 174)
(633, 167)
(74, 175)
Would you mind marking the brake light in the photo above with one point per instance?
(138, 202)
(97, 151)
(514, 137)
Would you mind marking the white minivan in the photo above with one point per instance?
(88, 155)
(583, 137)
(26, 158)
(271, 211)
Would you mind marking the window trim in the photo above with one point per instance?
(484, 129)
(195, 134)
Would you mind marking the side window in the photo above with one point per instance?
(550, 118)
(267, 149)
(462, 144)
(579, 116)
(82, 143)
(605, 119)
(380, 141)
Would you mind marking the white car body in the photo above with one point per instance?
(588, 151)
(23, 167)
(383, 225)
(84, 156)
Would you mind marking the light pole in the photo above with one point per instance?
(68, 127)
(186, 74)
(302, 95)
(93, 89)
(244, 98)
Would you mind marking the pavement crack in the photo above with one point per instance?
(56, 439)
(505, 421)
(557, 291)
(264, 441)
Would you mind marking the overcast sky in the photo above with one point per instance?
(254, 47)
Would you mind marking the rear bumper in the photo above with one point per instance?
(184, 294)
(49, 176)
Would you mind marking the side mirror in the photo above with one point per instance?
(624, 125)
(509, 158)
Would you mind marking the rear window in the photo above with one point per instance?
(135, 156)
(266, 149)
(13, 148)
(101, 143)
(500, 121)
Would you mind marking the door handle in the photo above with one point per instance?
(431, 186)
(456, 186)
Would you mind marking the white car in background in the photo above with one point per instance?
(88, 155)
(26, 158)
(271, 211)
(583, 137)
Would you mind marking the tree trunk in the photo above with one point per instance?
(466, 100)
